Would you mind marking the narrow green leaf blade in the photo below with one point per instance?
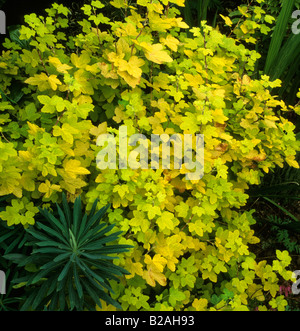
(77, 214)
(77, 282)
(64, 271)
(283, 209)
(279, 33)
(67, 210)
(52, 232)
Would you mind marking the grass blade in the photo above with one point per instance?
(279, 33)
(283, 209)
(286, 56)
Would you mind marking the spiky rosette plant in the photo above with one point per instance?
(74, 260)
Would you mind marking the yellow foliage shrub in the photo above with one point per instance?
(192, 241)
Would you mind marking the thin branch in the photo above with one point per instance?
(142, 29)
(43, 64)
(4, 137)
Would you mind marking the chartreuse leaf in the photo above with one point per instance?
(44, 82)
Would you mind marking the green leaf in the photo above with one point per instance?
(90, 272)
(47, 250)
(53, 302)
(51, 264)
(72, 293)
(110, 268)
(88, 233)
(67, 211)
(93, 293)
(176, 295)
(99, 287)
(93, 209)
(103, 240)
(38, 276)
(76, 215)
(4, 198)
(82, 225)
(64, 271)
(53, 244)
(16, 92)
(97, 216)
(77, 281)
(98, 256)
(107, 273)
(14, 35)
(111, 249)
(62, 217)
(95, 233)
(6, 236)
(92, 246)
(52, 232)
(40, 295)
(62, 300)
(29, 300)
(279, 33)
(52, 285)
(38, 235)
(283, 209)
(15, 257)
(62, 256)
(55, 221)
(286, 56)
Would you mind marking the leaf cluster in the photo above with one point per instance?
(72, 260)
